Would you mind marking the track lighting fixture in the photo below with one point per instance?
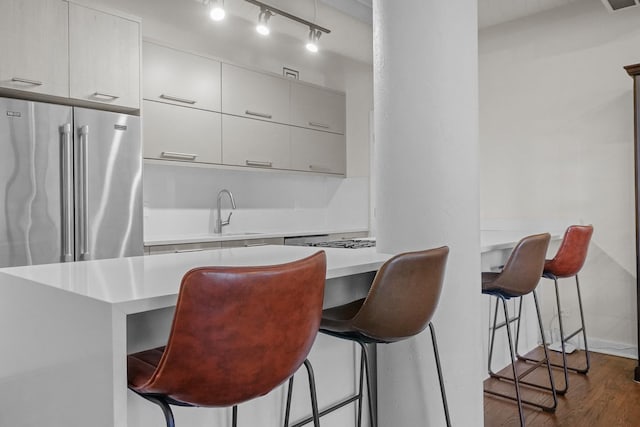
(263, 22)
(216, 10)
(312, 43)
(267, 11)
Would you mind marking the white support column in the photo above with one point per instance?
(426, 174)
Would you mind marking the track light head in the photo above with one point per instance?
(312, 43)
(263, 22)
(216, 10)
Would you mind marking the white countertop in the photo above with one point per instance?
(144, 283)
(234, 235)
(492, 240)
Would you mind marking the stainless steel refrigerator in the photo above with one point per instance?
(70, 184)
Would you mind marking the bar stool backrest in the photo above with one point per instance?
(572, 252)
(523, 269)
(403, 297)
(239, 332)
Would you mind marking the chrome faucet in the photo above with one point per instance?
(219, 222)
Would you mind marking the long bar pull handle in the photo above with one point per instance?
(84, 192)
(108, 96)
(67, 191)
(179, 156)
(319, 125)
(27, 81)
(259, 164)
(176, 99)
(258, 114)
(184, 251)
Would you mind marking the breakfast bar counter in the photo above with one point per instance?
(67, 329)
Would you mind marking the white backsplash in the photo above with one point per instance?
(181, 200)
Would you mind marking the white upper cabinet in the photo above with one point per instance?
(255, 143)
(256, 95)
(181, 134)
(180, 78)
(317, 108)
(33, 46)
(316, 151)
(104, 53)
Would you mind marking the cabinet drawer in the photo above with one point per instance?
(253, 242)
(247, 142)
(104, 57)
(181, 134)
(317, 108)
(34, 46)
(250, 94)
(184, 247)
(315, 151)
(180, 78)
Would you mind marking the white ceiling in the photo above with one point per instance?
(348, 20)
(492, 12)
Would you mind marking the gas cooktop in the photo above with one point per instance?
(347, 244)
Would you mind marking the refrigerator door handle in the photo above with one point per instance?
(84, 193)
(67, 193)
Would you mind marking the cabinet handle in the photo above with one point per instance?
(27, 81)
(260, 164)
(319, 125)
(257, 114)
(176, 99)
(184, 251)
(253, 245)
(181, 156)
(105, 95)
(319, 168)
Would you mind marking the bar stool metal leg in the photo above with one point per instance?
(287, 411)
(166, 409)
(513, 359)
(546, 356)
(584, 333)
(364, 375)
(312, 390)
(439, 369)
(234, 416)
(365, 358)
(537, 362)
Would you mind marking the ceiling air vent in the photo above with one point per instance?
(615, 5)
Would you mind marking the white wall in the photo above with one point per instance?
(346, 201)
(556, 145)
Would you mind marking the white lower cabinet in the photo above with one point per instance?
(255, 143)
(180, 133)
(315, 151)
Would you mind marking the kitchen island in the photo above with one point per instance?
(67, 329)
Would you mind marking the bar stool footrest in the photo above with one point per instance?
(328, 410)
(527, 402)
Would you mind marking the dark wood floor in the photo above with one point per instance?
(606, 397)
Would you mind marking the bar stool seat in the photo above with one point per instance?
(237, 333)
(518, 278)
(400, 304)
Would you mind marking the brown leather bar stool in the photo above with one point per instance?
(400, 304)
(518, 278)
(237, 333)
(567, 263)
